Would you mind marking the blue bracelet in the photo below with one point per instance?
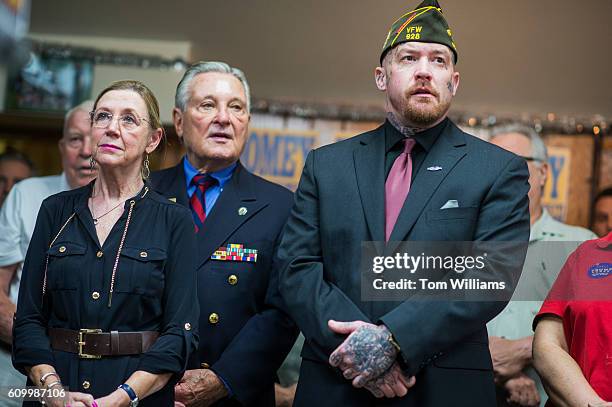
(130, 392)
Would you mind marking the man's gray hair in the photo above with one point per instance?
(538, 148)
(86, 106)
(183, 88)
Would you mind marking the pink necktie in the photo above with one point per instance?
(397, 186)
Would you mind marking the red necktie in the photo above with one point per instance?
(197, 202)
(397, 186)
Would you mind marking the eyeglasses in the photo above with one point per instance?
(101, 119)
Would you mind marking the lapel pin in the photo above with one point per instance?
(434, 168)
(173, 199)
(242, 211)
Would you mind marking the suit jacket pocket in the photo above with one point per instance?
(452, 213)
(236, 279)
(468, 355)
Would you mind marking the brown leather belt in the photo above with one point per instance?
(93, 343)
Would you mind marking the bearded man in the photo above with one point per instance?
(415, 178)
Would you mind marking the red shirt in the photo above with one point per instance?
(582, 298)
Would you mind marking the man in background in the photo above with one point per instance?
(510, 333)
(18, 217)
(602, 219)
(14, 167)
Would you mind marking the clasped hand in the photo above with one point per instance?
(368, 358)
(199, 388)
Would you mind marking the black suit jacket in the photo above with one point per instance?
(340, 203)
(252, 336)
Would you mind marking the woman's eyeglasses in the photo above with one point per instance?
(101, 119)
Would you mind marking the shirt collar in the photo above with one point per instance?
(605, 241)
(537, 230)
(64, 186)
(425, 138)
(82, 203)
(222, 176)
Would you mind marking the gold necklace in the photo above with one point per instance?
(95, 220)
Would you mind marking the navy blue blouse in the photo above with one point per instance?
(154, 290)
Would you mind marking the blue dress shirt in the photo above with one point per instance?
(212, 193)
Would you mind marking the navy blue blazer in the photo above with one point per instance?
(244, 335)
(340, 204)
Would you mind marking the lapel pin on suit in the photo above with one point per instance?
(434, 168)
(242, 211)
(173, 199)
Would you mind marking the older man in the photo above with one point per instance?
(602, 217)
(238, 218)
(415, 178)
(18, 217)
(510, 332)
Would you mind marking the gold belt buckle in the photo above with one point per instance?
(82, 343)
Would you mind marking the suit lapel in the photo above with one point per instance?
(369, 159)
(173, 185)
(224, 218)
(446, 152)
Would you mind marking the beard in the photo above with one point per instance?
(425, 114)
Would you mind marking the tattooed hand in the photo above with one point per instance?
(366, 354)
(393, 383)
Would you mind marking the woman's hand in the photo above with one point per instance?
(563, 379)
(72, 399)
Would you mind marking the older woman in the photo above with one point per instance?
(107, 302)
(572, 349)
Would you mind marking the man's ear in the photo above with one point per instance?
(380, 76)
(455, 81)
(177, 118)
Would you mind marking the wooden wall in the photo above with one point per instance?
(605, 175)
(577, 199)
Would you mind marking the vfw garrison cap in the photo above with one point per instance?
(423, 24)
